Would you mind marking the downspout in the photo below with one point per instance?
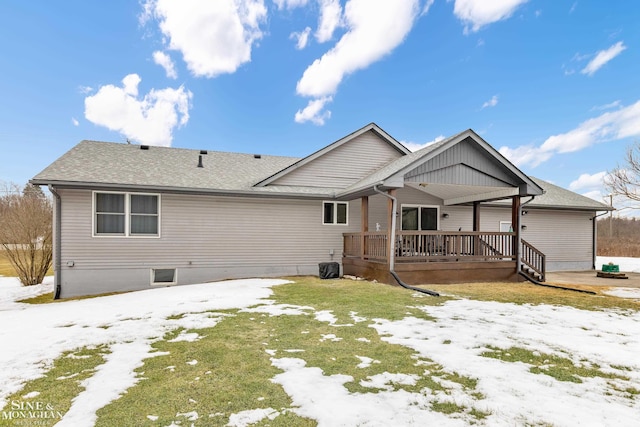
(57, 243)
(392, 245)
(594, 246)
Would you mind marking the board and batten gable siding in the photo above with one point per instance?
(206, 238)
(465, 163)
(344, 165)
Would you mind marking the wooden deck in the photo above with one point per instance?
(423, 257)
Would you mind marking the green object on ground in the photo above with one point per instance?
(610, 268)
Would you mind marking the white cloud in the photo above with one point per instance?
(573, 7)
(525, 154)
(476, 14)
(492, 102)
(148, 120)
(290, 4)
(609, 106)
(610, 126)
(414, 146)
(302, 38)
(75, 121)
(330, 18)
(602, 57)
(314, 111)
(214, 37)
(85, 89)
(426, 7)
(588, 182)
(164, 60)
(375, 28)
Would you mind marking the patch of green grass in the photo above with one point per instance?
(58, 386)
(234, 368)
(527, 293)
(40, 299)
(560, 368)
(48, 298)
(232, 374)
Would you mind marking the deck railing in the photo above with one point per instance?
(413, 246)
(534, 259)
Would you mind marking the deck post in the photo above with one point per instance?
(476, 226)
(515, 224)
(364, 224)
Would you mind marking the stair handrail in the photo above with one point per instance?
(533, 258)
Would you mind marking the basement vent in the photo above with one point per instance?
(257, 156)
(203, 151)
(144, 147)
(163, 276)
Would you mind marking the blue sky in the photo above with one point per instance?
(553, 85)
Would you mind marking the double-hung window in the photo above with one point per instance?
(126, 214)
(335, 213)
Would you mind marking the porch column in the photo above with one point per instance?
(476, 227)
(476, 216)
(364, 224)
(515, 224)
(515, 218)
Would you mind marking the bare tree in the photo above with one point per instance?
(625, 181)
(26, 232)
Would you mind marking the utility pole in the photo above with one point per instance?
(611, 215)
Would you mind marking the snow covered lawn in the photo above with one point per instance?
(338, 358)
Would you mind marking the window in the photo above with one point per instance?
(163, 276)
(334, 213)
(110, 213)
(420, 217)
(126, 214)
(505, 227)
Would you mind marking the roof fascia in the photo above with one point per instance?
(370, 127)
(181, 190)
(603, 208)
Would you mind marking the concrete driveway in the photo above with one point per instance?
(589, 278)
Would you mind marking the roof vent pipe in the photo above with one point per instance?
(200, 161)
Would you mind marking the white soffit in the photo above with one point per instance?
(452, 194)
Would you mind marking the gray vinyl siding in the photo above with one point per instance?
(205, 238)
(564, 236)
(465, 164)
(344, 165)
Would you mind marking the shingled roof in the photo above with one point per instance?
(108, 164)
(94, 164)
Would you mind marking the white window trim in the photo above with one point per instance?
(335, 213)
(127, 216)
(402, 206)
(510, 226)
(175, 277)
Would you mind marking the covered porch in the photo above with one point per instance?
(460, 174)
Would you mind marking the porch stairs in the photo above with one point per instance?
(532, 268)
(532, 263)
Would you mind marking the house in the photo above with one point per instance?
(131, 217)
